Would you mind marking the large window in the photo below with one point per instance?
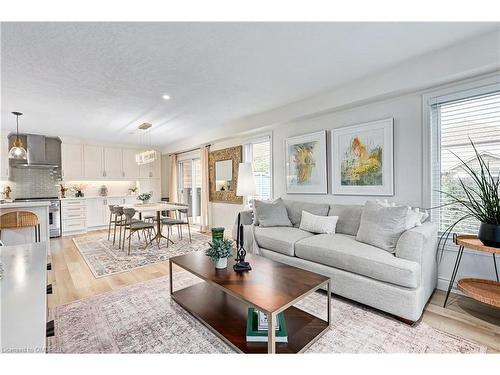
(189, 186)
(455, 121)
(259, 153)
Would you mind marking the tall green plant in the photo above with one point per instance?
(481, 198)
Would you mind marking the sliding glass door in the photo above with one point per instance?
(189, 186)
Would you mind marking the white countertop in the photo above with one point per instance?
(24, 204)
(23, 308)
(98, 196)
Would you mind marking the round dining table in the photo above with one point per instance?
(158, 208)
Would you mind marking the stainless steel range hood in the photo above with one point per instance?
(43, 152)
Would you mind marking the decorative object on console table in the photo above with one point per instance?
(476, 197)
(219, 251)
(305, 163)
(246, 188)
(145, 197)
(218, 233)
(363, 159)
(486, 291)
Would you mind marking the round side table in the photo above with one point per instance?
(486, 291)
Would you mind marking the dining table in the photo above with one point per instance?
(158, 208)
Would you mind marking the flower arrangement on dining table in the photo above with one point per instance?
(145, 197)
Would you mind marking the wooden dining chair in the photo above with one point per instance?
(18, 220)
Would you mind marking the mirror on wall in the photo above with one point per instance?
(223, 172)
(224, 175)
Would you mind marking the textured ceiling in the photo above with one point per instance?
(101, 80)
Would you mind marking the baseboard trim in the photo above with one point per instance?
(443, 283)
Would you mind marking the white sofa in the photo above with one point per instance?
(399, 283)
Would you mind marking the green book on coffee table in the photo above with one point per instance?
(256, 335)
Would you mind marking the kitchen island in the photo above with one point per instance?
(19, 236)
(23, 299)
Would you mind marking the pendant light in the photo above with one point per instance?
(147, 156)
(17, 151)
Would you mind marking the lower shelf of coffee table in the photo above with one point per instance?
(227, 317)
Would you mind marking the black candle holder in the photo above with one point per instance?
(240, 265)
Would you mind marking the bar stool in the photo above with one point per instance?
(20, 219)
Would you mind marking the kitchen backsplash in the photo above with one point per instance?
(92, 187)
(34, 183)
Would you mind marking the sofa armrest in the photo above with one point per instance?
(418, 243)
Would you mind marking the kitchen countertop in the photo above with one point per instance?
(97, 196)
(23, 306)
(24, 204)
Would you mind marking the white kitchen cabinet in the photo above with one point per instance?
(72, 161)
(93, 162)
(73, 215)
(151, 170)
(96, 212)
(113, 163)
(4, 157)
(130, 166)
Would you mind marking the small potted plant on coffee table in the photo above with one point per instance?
(219, 251)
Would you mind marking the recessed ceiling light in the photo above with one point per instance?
(166, 97)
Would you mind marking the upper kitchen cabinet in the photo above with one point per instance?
(93, 162)
(113, 166)
(130, 166)
(151, 170)
(4, 157)
(72, 161)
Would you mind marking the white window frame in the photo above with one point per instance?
(456, 91)
(248, 157)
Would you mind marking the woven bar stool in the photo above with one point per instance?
(20, 219)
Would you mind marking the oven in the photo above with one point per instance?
(54, 213)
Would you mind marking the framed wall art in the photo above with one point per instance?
(305, 164)
(363, 159)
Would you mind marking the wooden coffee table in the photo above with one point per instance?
(221, 302)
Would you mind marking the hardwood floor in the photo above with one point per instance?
(72, 280)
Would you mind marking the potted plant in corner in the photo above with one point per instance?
(219, 250)
(477, 197)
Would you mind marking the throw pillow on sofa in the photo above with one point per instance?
(382, 226)
(414, 218)
(271, 214)
(318, 224)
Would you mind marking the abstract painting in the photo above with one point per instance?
(362, 159)
(306, 171)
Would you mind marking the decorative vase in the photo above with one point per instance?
(489, 234)
(218, 233)
(145, 201)
(221, 263)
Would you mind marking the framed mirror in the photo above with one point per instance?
(223, 174)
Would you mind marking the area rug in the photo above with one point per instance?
(142, 318)
(104, 258)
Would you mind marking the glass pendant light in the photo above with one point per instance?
(17, 151)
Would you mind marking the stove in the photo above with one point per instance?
(54, 213)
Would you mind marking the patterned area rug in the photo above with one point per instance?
(142, 318)
(104, 258)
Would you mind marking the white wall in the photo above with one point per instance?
(397, 93)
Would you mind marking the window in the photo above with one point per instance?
(189, 185)
(259, 153)
(476, 116)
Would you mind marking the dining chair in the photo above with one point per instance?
(18, 220)
(181, 218)
(134, 226)
(111, 213)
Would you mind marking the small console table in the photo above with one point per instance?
(486, 291)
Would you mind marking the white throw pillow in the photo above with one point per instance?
(414, 218)
(318, 224)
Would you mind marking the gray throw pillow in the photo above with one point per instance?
(271, 214)
(382, 226)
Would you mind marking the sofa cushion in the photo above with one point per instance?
(382, 226)
(318, 224)
(349, 217)
(271, 214)
(295, 208)
(344, 252)
(280, 239)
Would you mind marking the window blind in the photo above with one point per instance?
(454, 124)
(258, 152)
